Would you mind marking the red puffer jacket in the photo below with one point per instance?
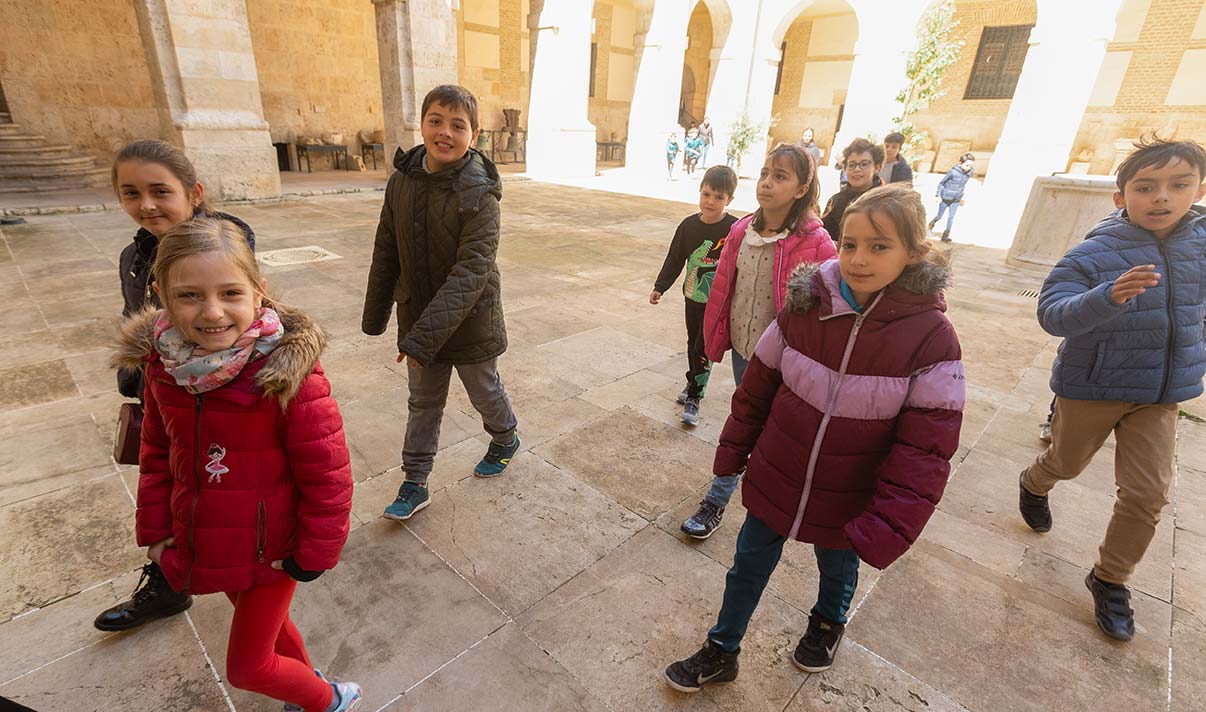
(246, 474)
(846, 423)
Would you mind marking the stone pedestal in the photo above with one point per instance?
(208, 93)
(561, 141)
(655, 98)
(416, 50)
(1066, 50)
(1059, 213)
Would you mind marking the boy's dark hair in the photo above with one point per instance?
(720, 178)
(453, 96)
(895, 137)
(862, 145)
(1152, 150)
(805, 169)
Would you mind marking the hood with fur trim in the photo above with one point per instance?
(282, 373)
(808, 282)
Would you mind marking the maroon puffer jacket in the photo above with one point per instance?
(848, 421)
(246, 474)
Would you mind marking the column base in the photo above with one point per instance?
(561, 153)
(232, 164)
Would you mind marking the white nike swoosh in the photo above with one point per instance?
(701, 679)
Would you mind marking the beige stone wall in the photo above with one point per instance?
(66, 79)
(698, 59)
(979, 120)
(816, 72)
(1152, 79)
(615, 69)
(493, 57)
(317, 66)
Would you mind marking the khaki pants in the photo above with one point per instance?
(1143, 470)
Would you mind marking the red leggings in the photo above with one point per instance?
(266, 653)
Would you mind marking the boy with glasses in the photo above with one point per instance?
(862, 161)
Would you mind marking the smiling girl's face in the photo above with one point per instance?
(210, 300)
(154, 197)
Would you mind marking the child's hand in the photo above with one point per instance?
(409, 361)
(655, 297)
(962, 202)
(295, 572)
(1136, 281)
(155, 551)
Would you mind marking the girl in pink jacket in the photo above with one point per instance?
(750, 285)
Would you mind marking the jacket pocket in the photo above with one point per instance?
(1098, 362)
(261, 530)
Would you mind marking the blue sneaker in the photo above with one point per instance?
(347, 696)
(691, 412)
(412, 497)
(497, 458)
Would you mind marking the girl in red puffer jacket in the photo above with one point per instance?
(245, 482)
(844, 424)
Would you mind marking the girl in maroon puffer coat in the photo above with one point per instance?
(245, 482)
(844, 424)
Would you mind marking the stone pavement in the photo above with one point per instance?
(565, 585)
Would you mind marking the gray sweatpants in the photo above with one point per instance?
(429, 395)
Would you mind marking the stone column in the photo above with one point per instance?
(416, 50)
(1067, 47)
(886, 36)
(731, 91)
(655, 98)
(561, 141)
(208, 93)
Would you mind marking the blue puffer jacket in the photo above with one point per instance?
(950, 188)
(1149, 350)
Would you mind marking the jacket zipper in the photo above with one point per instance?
(261, 530)
(1172, 324)
(192, 512)
(833, 396)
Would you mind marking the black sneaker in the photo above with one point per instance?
(710, 664)
(153, 598)
(1035, 510)
(1112, 608)
(815, 651)
(703, 522)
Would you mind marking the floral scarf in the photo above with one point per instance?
(198, 370)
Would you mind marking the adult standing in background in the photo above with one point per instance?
(705, 133)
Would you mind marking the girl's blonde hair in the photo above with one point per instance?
(805, 168)
(201, 236)
(900, 206)
(150, 150)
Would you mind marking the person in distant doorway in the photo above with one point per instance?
(896, 168)
(862, 161)
(950, 192)
(692, 150)
(808, 144)
(672, 149)
(705, 133)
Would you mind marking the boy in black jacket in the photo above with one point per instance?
(697, 243)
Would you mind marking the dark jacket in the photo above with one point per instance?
(835, 209)
(952, 185)
(252, 472)
(1149, 350)
(845, 423)
(434, 257)
(901, 171)
(134, 271)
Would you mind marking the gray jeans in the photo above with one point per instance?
(429, 395)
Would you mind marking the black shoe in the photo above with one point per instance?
(703, 522)
(1035, 509)
(933, 223)
(815, 651)
(153, 598)
(946, 236)
(710, 664)
(1112, 608)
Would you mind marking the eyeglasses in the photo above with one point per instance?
(861, 165)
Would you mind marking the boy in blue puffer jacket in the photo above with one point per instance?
(950, 192)
(1130, 302)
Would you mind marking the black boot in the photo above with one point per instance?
(153, 598)
(946, 236)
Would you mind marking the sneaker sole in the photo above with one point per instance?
(413, 512)
(489, 475)
(807, 668)
(690, 422)
(701, 537)
(679, 687)
(165, 614)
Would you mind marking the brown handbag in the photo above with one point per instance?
(129, 434)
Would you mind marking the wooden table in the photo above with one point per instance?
(304, 150)
(371, 150)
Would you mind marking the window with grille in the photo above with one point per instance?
(998, 62)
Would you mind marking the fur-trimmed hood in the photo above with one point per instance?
(283, 371)
(809, 281)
